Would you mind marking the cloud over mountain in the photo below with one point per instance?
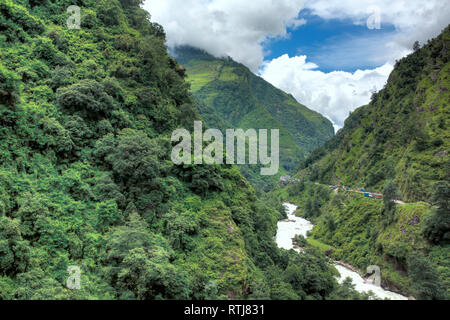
(333, 94)
(233, 28)
(413, 19)
(241, 29)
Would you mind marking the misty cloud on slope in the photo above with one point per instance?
(232, 28)
(240, 29)
(333, 94)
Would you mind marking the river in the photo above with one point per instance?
(288, 229)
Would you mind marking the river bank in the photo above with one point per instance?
(293, 225)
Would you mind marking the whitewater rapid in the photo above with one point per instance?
(293, 225)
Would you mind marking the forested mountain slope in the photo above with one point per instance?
(243, 100)
(403, 134)
(86, 179)
(397, 145)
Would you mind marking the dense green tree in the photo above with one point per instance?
(15, 252)
(296, 188)
(139, 262)
(279, 289)
(35, 285)
(110, 12)
(437, 226)
(300, 241)
(390, 194)
(330, 222)
(86, 179)
(86, 97)
(131, 3)
(312, 207)
(148, 274)
(346, 291)
(309, 275)
(180, 227)
(9, 86)
(135, 156)
(425, 281)
(309, 207)
(107, 214)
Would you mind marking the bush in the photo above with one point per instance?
(15, 19)
(9, 86)
(437, 226)
(55, 135)
(86, 95)
(14, 251)
(110, 12)
(61, 77)
(135, 156)
(88, 19)
(390, 193)
(425, 281)
(179, 228)
(44, 49)
(300, 241)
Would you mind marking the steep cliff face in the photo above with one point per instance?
(86, 117)
(243, 100)
(402, 135)
(85, 173)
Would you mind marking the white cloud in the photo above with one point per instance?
(337, 93)
(332, 94)
(413, 19)
(403, 14)
(236, 28)
(347, 51)
(240, 29)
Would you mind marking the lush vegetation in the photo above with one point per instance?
(85, 177)
(240, 99)
(397, 145)
(402, 135)
(363, 231)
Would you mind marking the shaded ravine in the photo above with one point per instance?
(293, 225)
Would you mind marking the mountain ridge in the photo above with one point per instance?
(245, 100)
(401, 135)
(396, 145)
(86, 179)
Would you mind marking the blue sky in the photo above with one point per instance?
(331, 44)
(320, 51)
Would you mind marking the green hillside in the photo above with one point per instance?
(402, 135)
(86, 179)
(362, 232)
(244, 100)
(397, 145)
